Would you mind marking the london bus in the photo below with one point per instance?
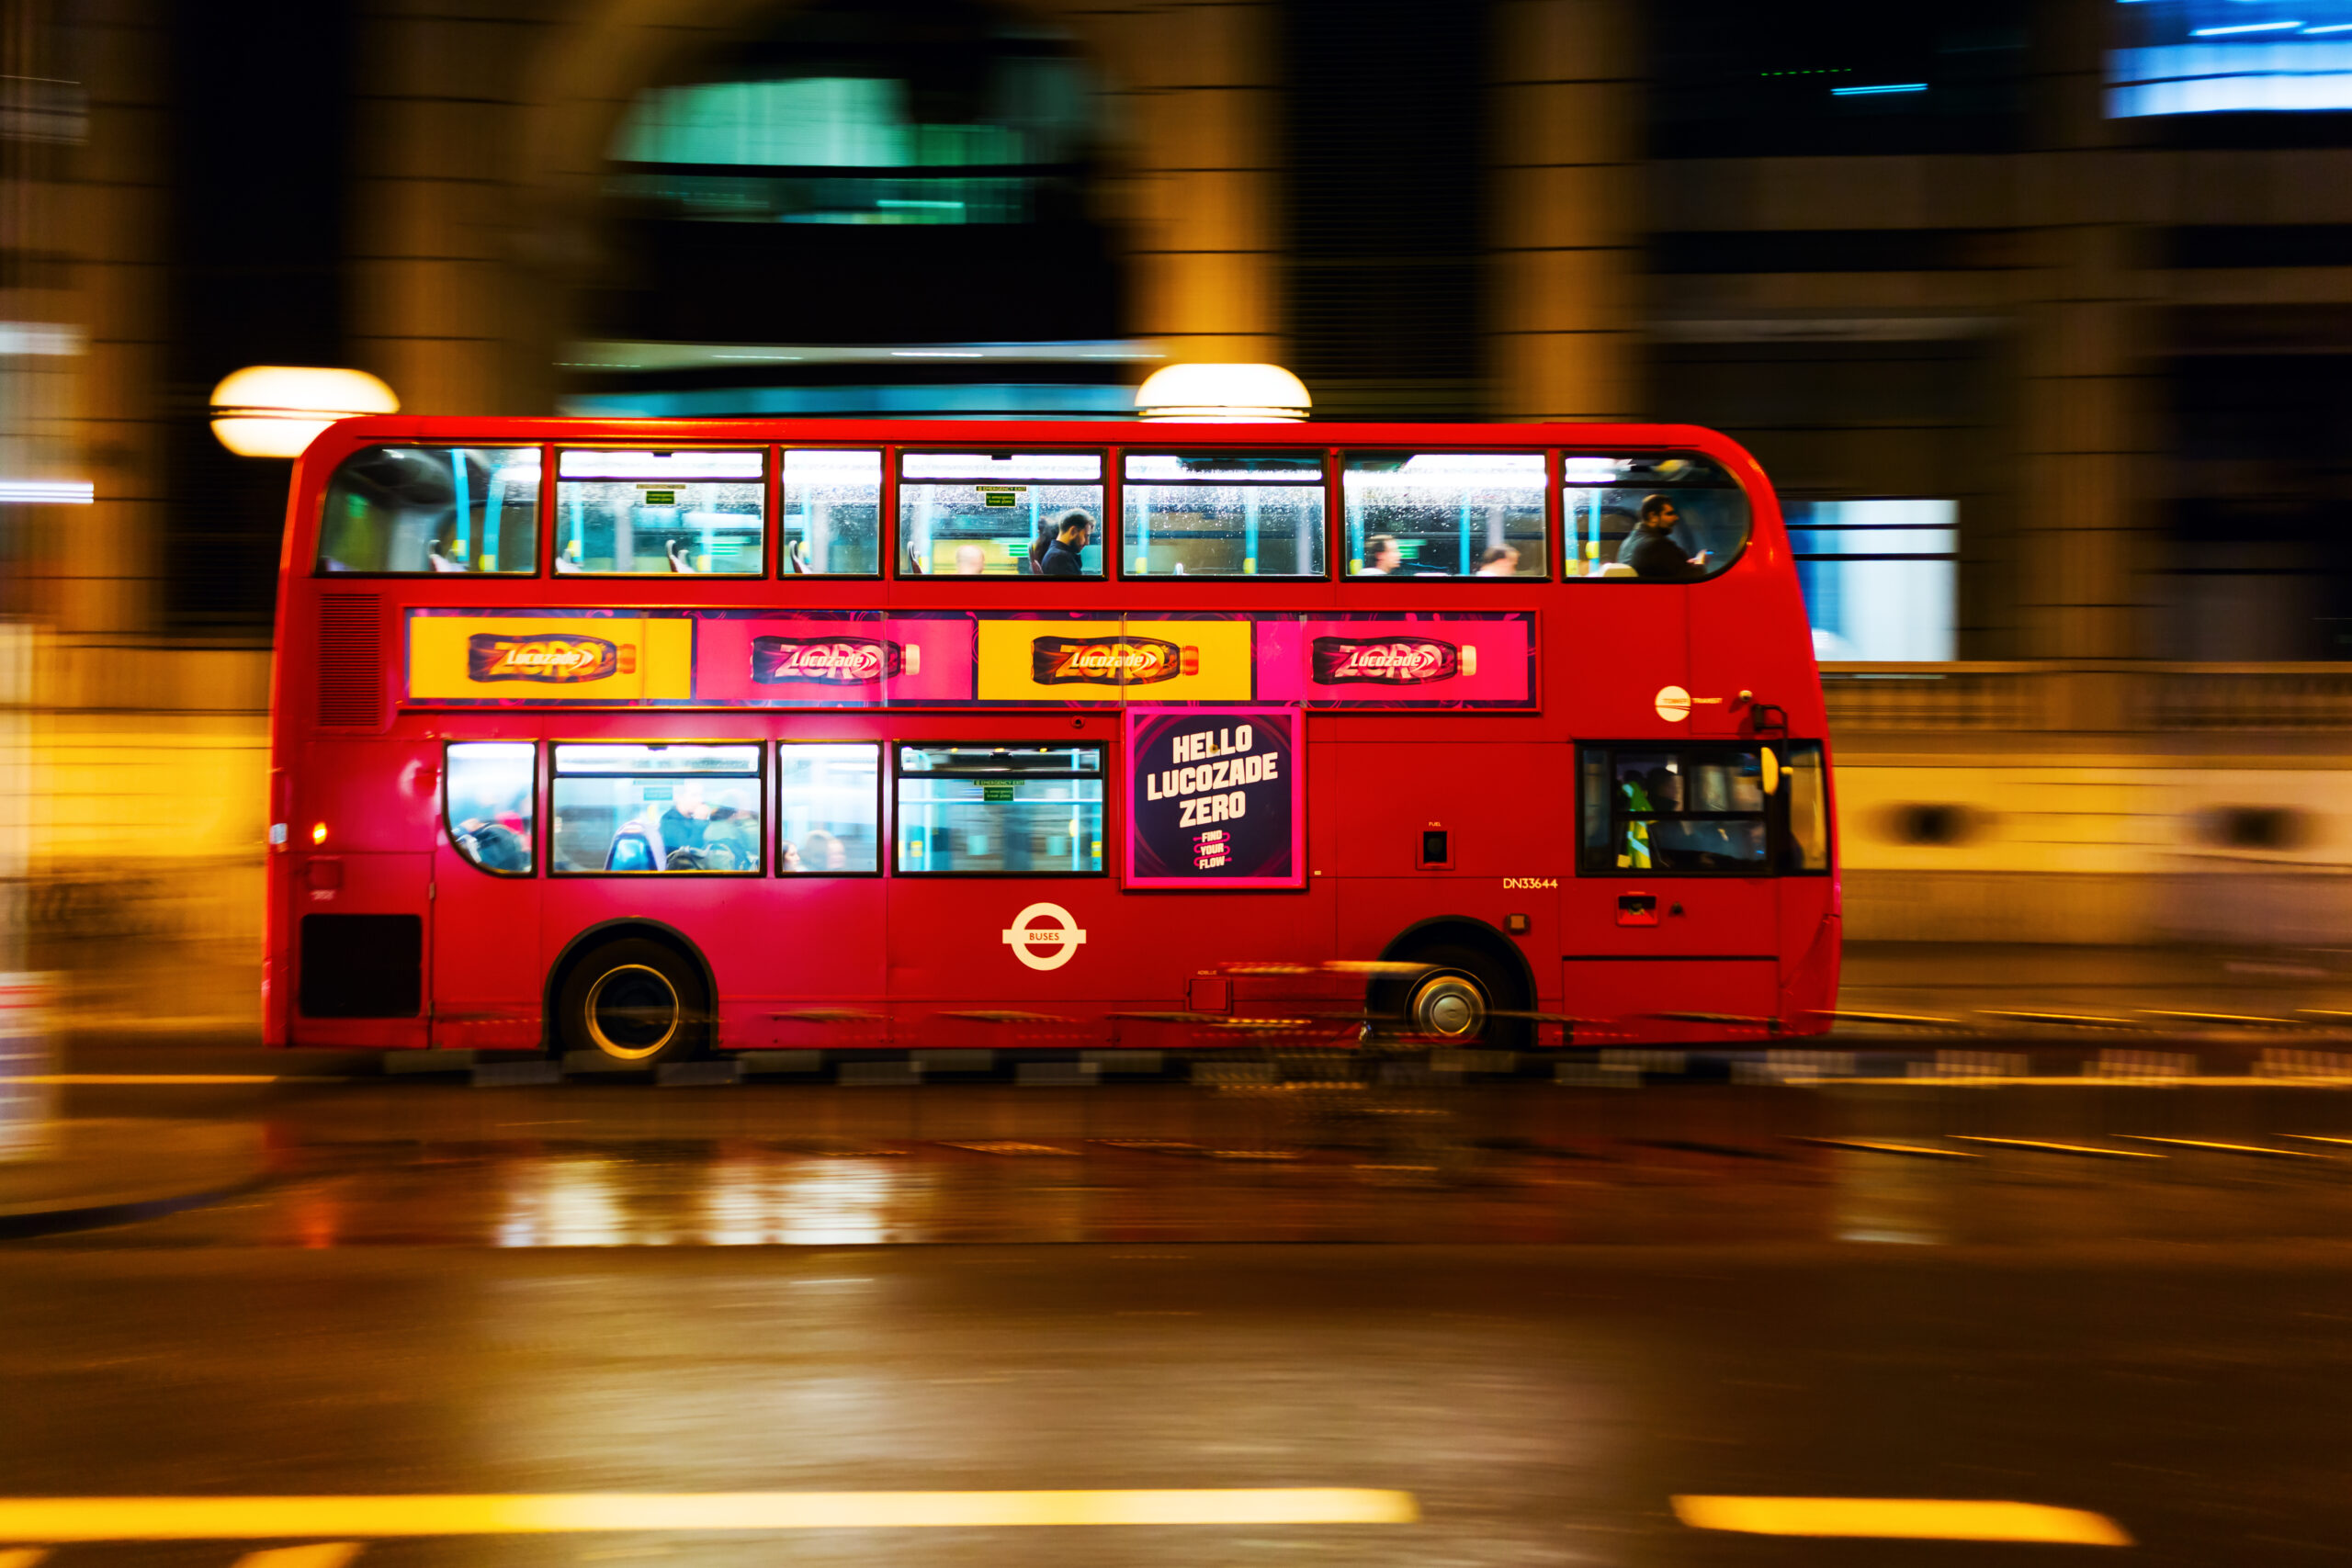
(659, 739)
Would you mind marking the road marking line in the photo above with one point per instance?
(325, 1554)
(229, 1519)
(2058, 1148)
(2226, 1148)
(2318, 1138)
(88, 1079)
(1879, 1147)
(1902, 1519)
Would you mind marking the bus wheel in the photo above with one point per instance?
(633, 1001)
(1452, 1001)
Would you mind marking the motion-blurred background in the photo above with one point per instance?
(2038, 312)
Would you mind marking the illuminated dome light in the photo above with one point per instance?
(1222, 394)
(275, 411)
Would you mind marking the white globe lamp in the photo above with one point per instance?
(275, 411)
(1222, 394)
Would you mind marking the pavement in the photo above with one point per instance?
(84, 1171)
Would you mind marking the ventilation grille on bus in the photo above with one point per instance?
(351, 671)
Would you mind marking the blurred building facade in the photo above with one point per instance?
(1912, 260)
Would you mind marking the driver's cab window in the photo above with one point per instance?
(1650, 519)
(661, 513)
(1688, 810)
(633, 808)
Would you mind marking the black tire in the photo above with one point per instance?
(634, 1002)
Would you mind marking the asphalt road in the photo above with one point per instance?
(2130, 1310)
(1539, 1405)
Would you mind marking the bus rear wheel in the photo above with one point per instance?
(633, 1001)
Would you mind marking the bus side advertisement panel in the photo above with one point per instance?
(1397, 660)
(1114, 660)
(840, 661)
(542, 657)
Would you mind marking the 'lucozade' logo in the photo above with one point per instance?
(1110, 660)
(836, 660)
(547, 658)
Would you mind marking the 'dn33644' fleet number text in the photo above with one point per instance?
(1530, 882)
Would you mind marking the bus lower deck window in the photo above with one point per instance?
(653, 807)
(974, 808)
(661, 513)
(828, 808)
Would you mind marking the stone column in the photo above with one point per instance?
(1565, 301)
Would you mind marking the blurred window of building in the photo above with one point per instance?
(1223, 514)
(2224, 60)
(832, 524)
(916, 178)
(633, 808)
(1881, 577)
(1691, 504)
(1385, 187)
(1445, 514)
(1733, 79)
(493, 792)
(2254, 490)
(996, 514)
(1689, 811)
(661, 513)
(971, 808)
(828, 808)
(428, 509)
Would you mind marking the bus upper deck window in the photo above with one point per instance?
(832, 524)
(1651, 518)
(1222, 514)
(1445, 515)
(1000, 513)
(433, 508)
(660, 513)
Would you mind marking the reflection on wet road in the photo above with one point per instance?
(409, 1164)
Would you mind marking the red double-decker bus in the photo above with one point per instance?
(652, 739)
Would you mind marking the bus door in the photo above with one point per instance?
(1674, 911)
(486, 960)
(998, 893)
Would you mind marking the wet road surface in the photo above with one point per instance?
(2134, 1302)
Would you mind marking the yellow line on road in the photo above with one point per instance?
(2318, 1138)
(2057, 1148)
(86, 1079)
(1902, 1519)
(325, 1554)
(228, 1518)
(1881, 1146)
(2225, 1148)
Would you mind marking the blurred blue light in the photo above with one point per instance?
(1891, 87)
(2331, 27)
(2246, 28)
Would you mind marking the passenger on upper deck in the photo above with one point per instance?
(1652, 550)
(1500, 561)
(1065, 557)
(1379, 557)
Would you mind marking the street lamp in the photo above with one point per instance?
(274, 411)
(1222, 394)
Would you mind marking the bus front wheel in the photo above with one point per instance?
(634, 1001)
(1452, 1001)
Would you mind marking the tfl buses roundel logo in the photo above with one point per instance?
(1044, 946)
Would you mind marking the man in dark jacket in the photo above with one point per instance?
(1065, 555)
(1651, 550)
